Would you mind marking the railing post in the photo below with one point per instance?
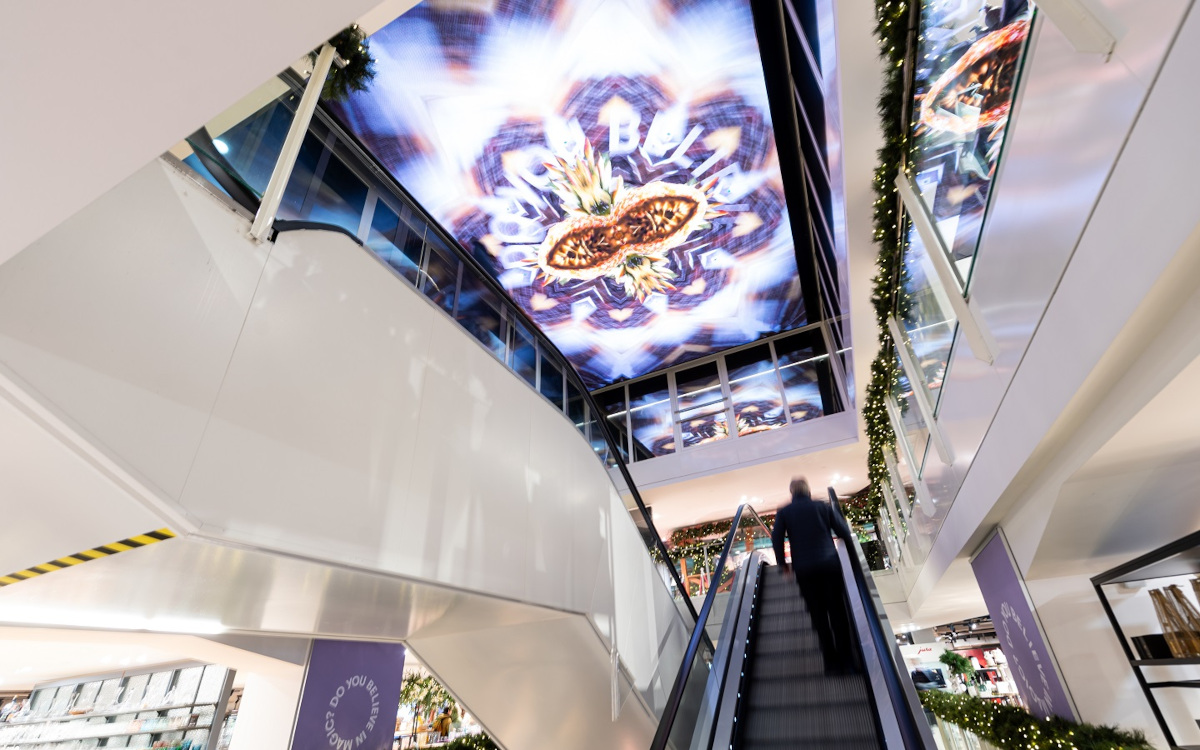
(273, 196)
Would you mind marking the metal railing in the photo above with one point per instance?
(689, 688)
(902, 696)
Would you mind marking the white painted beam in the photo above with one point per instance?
(1079, 25)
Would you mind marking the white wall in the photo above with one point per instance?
(268, 709)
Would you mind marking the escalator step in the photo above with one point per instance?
(790, 702)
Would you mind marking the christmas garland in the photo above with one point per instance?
(1015, 728)
(892, 29)
(689, 534)
(358, 72)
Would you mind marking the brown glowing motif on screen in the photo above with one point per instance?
(976, 91)
(618, 231)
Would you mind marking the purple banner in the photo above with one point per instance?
(351, 695)
(1019, 631)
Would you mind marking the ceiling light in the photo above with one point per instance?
(972, 626)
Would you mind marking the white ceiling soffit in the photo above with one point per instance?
(764, 486)
(30, 656)
(156, 73)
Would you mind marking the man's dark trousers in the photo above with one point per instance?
(824, 596)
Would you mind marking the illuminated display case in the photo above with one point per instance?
(173, 706)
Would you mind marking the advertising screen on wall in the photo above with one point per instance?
(968, 64)
(613, 160)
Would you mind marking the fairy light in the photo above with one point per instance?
(1014, 727)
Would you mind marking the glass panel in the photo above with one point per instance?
(968, 61)
(524, 355)
(915, 431)
(575, 406)
(395, 242)
(907, 479)
(804, 369)
(699, 705)
(926, 317)
(551, 381)
(650, 418)
(308, 161)
(613, 404)
(757, 402)
(248, 149)
(337, 196)
(441, 273)
(701, 412)
(479, 313)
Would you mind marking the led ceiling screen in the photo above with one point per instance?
(613, 159)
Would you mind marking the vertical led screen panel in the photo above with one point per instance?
(968, 64)
(613, 160)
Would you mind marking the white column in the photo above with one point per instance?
(268, 708)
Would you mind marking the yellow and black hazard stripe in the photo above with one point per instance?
(95, 553)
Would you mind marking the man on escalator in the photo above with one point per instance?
(809, 526)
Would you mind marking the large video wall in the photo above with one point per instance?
(613, 160)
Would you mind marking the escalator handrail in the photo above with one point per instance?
(675, 698)
(907, 708)
(329, 120)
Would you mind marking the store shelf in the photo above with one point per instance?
(104, 714)
(1165, 662)
(1175, 684)
(106, 735)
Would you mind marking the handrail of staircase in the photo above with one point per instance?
(699, 635)
(902, 695)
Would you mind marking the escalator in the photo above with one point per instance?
(766, 683)
(789, 701)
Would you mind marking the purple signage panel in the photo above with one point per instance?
(351, 695)
(1019, 631)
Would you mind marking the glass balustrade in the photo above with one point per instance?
(926, 317)
(969, 58)
(914, 430)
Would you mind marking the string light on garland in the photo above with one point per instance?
(1013, 727)
(895, 26)
(358, 71)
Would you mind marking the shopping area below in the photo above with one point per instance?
(71, 689)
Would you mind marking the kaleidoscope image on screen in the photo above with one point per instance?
(613, 160)
(968, 66)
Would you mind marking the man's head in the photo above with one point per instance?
(799, 486)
